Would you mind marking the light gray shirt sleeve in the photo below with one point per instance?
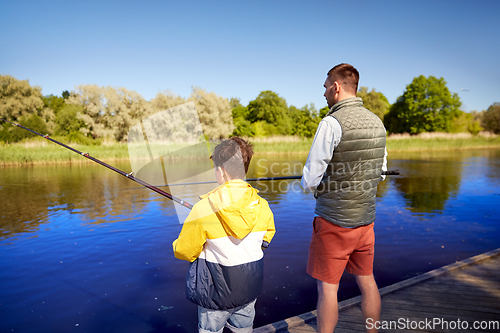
(325, 141)
(384, 164)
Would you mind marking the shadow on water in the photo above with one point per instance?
(111, 242)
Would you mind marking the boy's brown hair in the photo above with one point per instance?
(233, 155)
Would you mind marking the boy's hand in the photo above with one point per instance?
(265, 245)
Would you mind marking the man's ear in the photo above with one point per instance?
(336, 87)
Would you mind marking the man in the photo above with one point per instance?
(344, 168)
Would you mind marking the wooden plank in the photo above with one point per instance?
(466, 280)
(488, 308)
(346, 330)
(403, 312)
(352, 318)
(444, 295)
(452, 290)
(305, 328)
(438, 308)
(473, 276)
(488, 268)
(425, 297)
(357, 326)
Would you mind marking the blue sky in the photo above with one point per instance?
(240, 48)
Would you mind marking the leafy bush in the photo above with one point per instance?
(491, 118)
(67, 120)
(33, 122)
(80, 138)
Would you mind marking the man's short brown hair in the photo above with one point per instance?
(346, 75)
(233, 155)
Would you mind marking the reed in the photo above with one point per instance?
(41, 151)
(442, 141)
(281, 145)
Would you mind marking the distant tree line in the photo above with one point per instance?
(91, 113)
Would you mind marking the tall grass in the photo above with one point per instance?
(281, 145)
(442, 141)
(40, 151)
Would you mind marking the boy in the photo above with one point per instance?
(223, 237)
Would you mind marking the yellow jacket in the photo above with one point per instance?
(225, 231)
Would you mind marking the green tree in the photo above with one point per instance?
(323, 111)
(426, 106)
(215, 113)
(243, 127)
(107, 111)
(272, 110)
(491, 118)
(24, 104)
(374, 101)
(165, 100)
(18, 98)
(53, 102)
(67, 121)
(33, 122)
(465, 122)
(305, 120)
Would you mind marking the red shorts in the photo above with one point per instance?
(334, 249)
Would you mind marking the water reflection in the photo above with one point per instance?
(81, 244)
(429, 179)
(31, 195)
(493, 172)
(427, 185)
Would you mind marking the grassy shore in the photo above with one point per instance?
(398, 142)
(442, 141)
(40, 151)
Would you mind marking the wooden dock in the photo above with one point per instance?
(461, 297)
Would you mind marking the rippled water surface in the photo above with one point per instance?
(82, 249)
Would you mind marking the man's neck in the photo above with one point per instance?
(345, 95)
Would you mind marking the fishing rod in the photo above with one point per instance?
(128, 175)
(384, 173)
(260, 179)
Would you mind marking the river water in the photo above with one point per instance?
(83, 249)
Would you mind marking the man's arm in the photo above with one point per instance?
(325, 141)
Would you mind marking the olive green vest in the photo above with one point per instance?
(346, 194)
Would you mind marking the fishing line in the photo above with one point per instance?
(260, 179)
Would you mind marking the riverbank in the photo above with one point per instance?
(40, 151)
